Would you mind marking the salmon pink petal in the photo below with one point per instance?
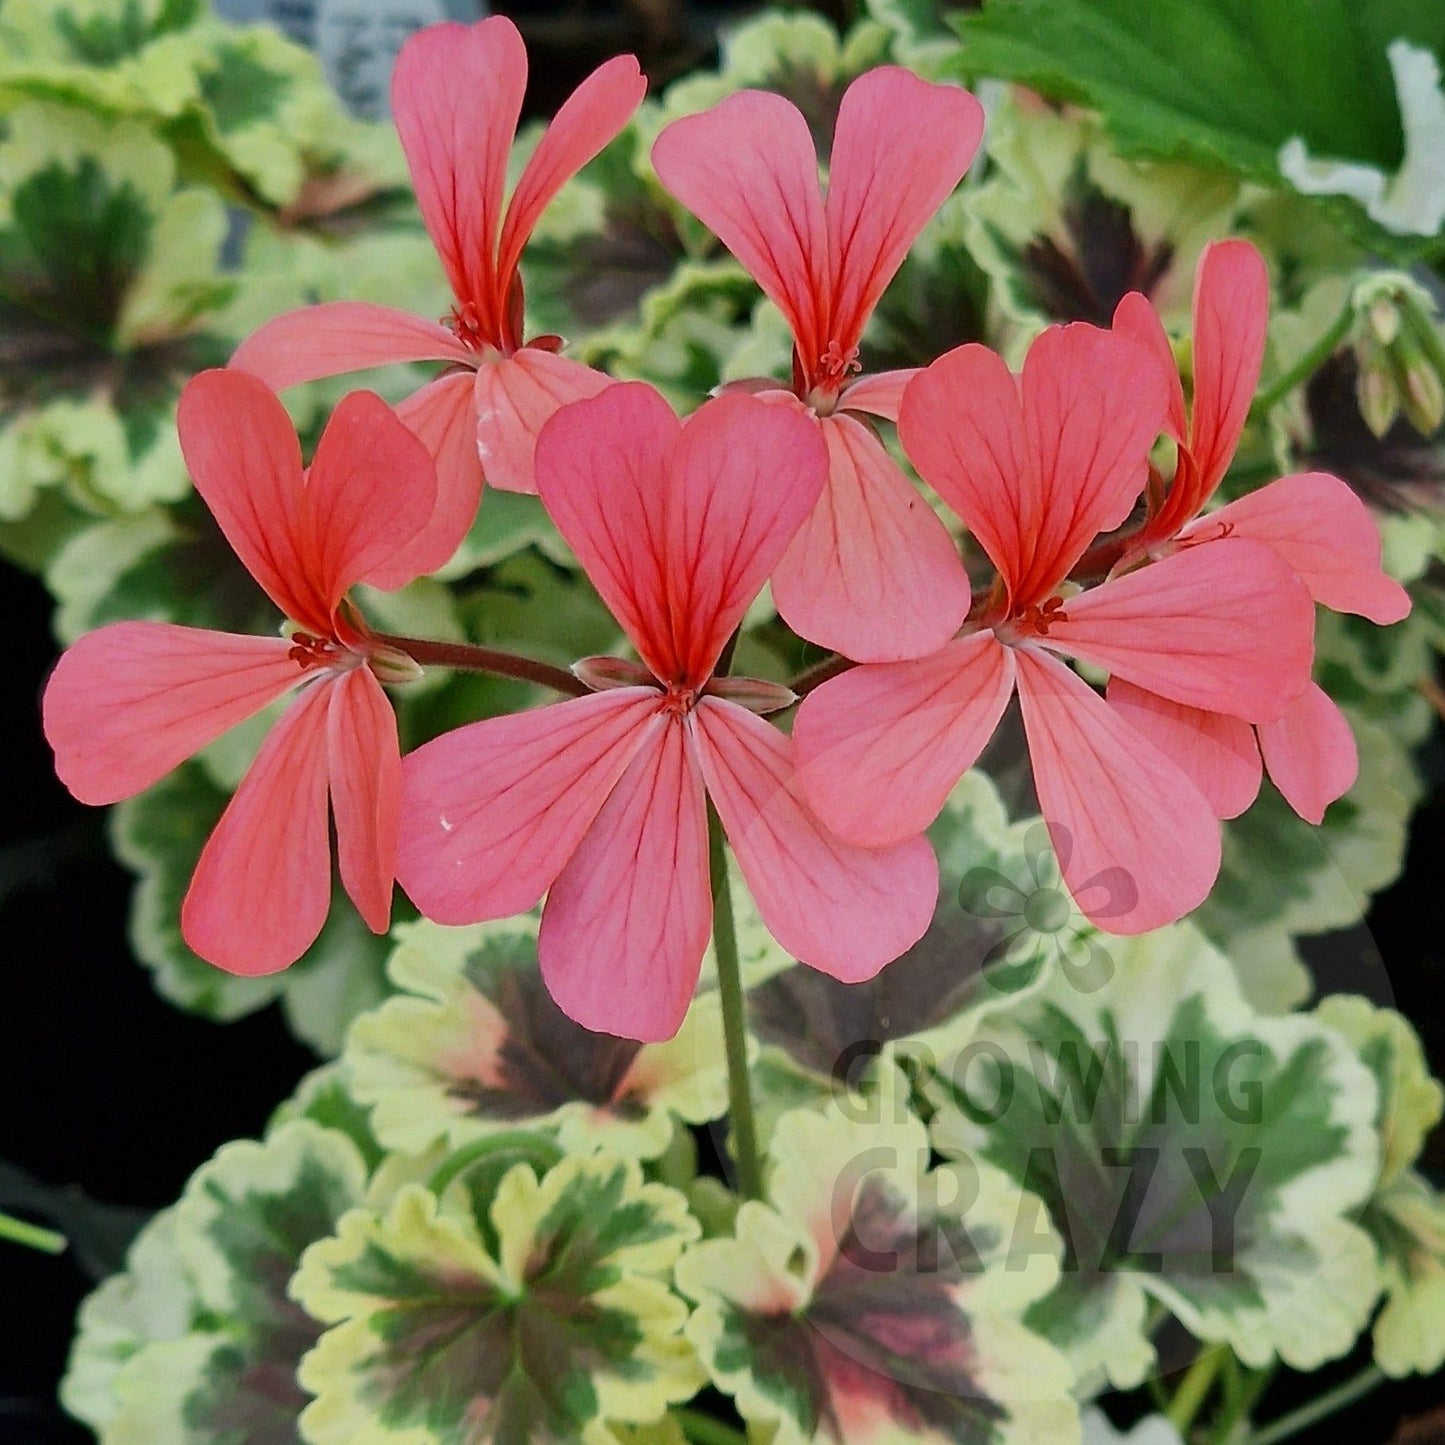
(369, 493)
(873, 572)
(1326, 534)
(492, 812)
(242, 453)
(335, 337)
(900, 147)
(515, 398)
(844, 910)
(962, 425)
(262, 887)
(443, 417)
(1135, 318)
(748, 170)
(1231, 315)
(589, 119)
(129, 702)
(1225, 626)
(1311, 754)
(604, 475)
(456, 95)
(880, 748)
(1093, 405)
(1137, 842)
(880, 394)
(1217, 751)
(746, 474)
(626, 923)
(364, 764)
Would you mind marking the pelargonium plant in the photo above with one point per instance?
(519, 1244)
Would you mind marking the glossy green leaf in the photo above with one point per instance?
(1217, 82)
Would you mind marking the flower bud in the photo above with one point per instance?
(391, 664)
(1400, 353)
(1376, 390)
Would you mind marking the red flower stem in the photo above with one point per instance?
(820, 673)
(465, 657)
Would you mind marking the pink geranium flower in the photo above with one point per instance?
(129, 702)
(603, 799)
(1314, 521)
(1037, 467)
(872, 573)
(456, 95)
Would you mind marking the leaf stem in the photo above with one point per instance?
(1320, 1408)
(735, 1036)
(1194, 1389)
(704, 1430)
(465, 657)
(1314, 358)
(533, 1147)
(32, 1236)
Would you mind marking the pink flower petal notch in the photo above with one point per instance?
(1312, 521)
(128, 703)
(1038, 466)
(456, 95)
(601, 802)
(874, 573)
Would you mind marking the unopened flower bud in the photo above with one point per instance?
(391, 664)
(1384, 320)
(1376, 391)
(1424, 395)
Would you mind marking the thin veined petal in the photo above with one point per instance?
(1217, 751)
(364, 766)
(900, 148)
(962, 425)
(589, 119)
(1137, 319)
(747, 169)
(844, 910)
(335, 337)
(515, 398)
(243, 455)
(745, 475)
(880, 393)
(1231, 315)
(1326, 534)
(456, 95)
(443, 417)
(1138, 843)
(1311, 754)
(492, 812)
(370, 491)
(603, 470)
(1224, 626)
(872, 573)
(1093, 405)
(129, 702)
(880, 748)
(262, 887)
(626, 923)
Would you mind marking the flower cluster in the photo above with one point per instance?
(1084, 481)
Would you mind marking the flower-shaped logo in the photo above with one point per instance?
(1040, 918)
